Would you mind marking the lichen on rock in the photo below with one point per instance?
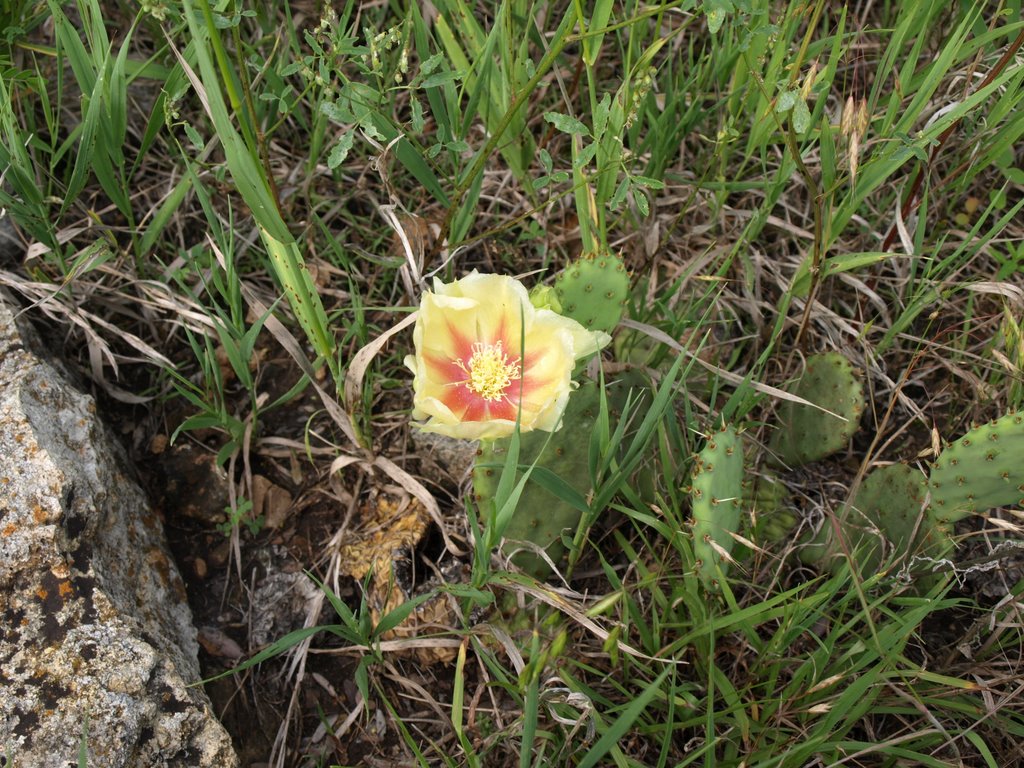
(97, 641)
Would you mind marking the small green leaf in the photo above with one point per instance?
(432, 64)
(620, 195)
(566, 124)
(371, 131)
(647, 181)
(416, 120)
(340, 150)
(1014, 175)
(640, 199)
(801, 115)
(193, 136)
(441, 78)
(585, 155)
(545, 160)
(559, 177)
(716, 11)
(786, 101)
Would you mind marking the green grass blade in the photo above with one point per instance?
(624, 722)
(241, 159)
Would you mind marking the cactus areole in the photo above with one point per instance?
(485, 356)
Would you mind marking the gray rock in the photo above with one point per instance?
(97, 644)
(447, 455)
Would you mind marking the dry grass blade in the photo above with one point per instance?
(579, 615)
(362, 359)
(401, 645)
(55, 304)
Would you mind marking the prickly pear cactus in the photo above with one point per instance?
(766, 498)
(541, 516)
(981, 470)
(807, 434)
(883, 513)
(593, 290)
(716, 496)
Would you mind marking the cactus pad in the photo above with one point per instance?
(716, 497)
(882, 516)
(541, 516)
(593, 290)
(767, 501)
(981, 470)
(807, 434)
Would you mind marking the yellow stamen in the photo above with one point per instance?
(489, 370)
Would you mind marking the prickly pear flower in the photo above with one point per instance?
(483, 350)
